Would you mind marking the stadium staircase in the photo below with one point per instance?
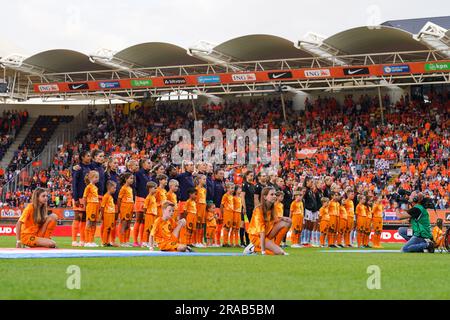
(20, 138)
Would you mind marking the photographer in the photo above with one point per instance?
(419, 237)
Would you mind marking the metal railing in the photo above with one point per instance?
(66, 132)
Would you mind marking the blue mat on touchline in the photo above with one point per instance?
(67, 253)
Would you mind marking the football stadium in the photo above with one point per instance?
(260, 168)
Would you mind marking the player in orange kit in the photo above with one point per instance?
(324, 220)
(35, 226)
(190, 214)
(266, 230)
(91, 198)
(150, 211)
(296, 215)
(211, 223)
(368, 225)
(172, 196)
(166, 231)
(377, 222)
(361, 214)
(200, 183)
(333, 211)
(439, 235)
(161, 193)
(108, 214)
(342, 224)
(350, 208)
(227, 207)
(125, 202)
(237, 211)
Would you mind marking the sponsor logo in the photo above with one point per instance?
(110, 85)
(396, 69)
(48, 88)
(356, 71)
(78, 86)
(280, 75)
(174, 81)
(208, 79)
(7, 230)
(317, 73)
(69, 214)
(243, 77)
(142, 83)
(437, 66)
(10, 213)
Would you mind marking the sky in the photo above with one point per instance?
(29, 27)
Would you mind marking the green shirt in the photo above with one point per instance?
(421, 223)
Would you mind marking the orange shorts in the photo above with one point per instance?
(92, 210)
(149, 221)
(210, 233)
(201, 213)
(342, 225)
(350, 223)
(29, 240)
(236, 220)
(360, 224)
(109, 220)
(139, 204)
(191, 222)
(297, 223)
(332, 226)
(368, 225)
(171, 246)
(377, 225)
(126, 211)
(228, 219)
(324, 226)
(256, 241)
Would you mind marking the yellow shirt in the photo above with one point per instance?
(228, 202)
(361, 210)
(126, 194)
(211, 220)
(342, 213)
(201, 195)
(162, 231)
(278, 207)
(191, 207)
(333, 208)
(28, 226)
(323, 213)
(350, 207)
(297, 207)
(377, 211)
(91, 194)
(161, 196)
(237, 204)
(437, 234)
(150, 206)
(108, 204)
(258, 224)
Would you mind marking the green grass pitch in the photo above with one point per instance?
(305, 274)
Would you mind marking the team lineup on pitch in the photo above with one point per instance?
(229, 177)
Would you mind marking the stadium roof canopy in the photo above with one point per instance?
(415, 25)
(364, 40)
(390, 37)
(261, 47)
(157, 54)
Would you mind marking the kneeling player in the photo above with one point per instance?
(166, 231)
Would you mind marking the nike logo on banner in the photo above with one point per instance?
(280, 75)
(79, 86)
(356, 71)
